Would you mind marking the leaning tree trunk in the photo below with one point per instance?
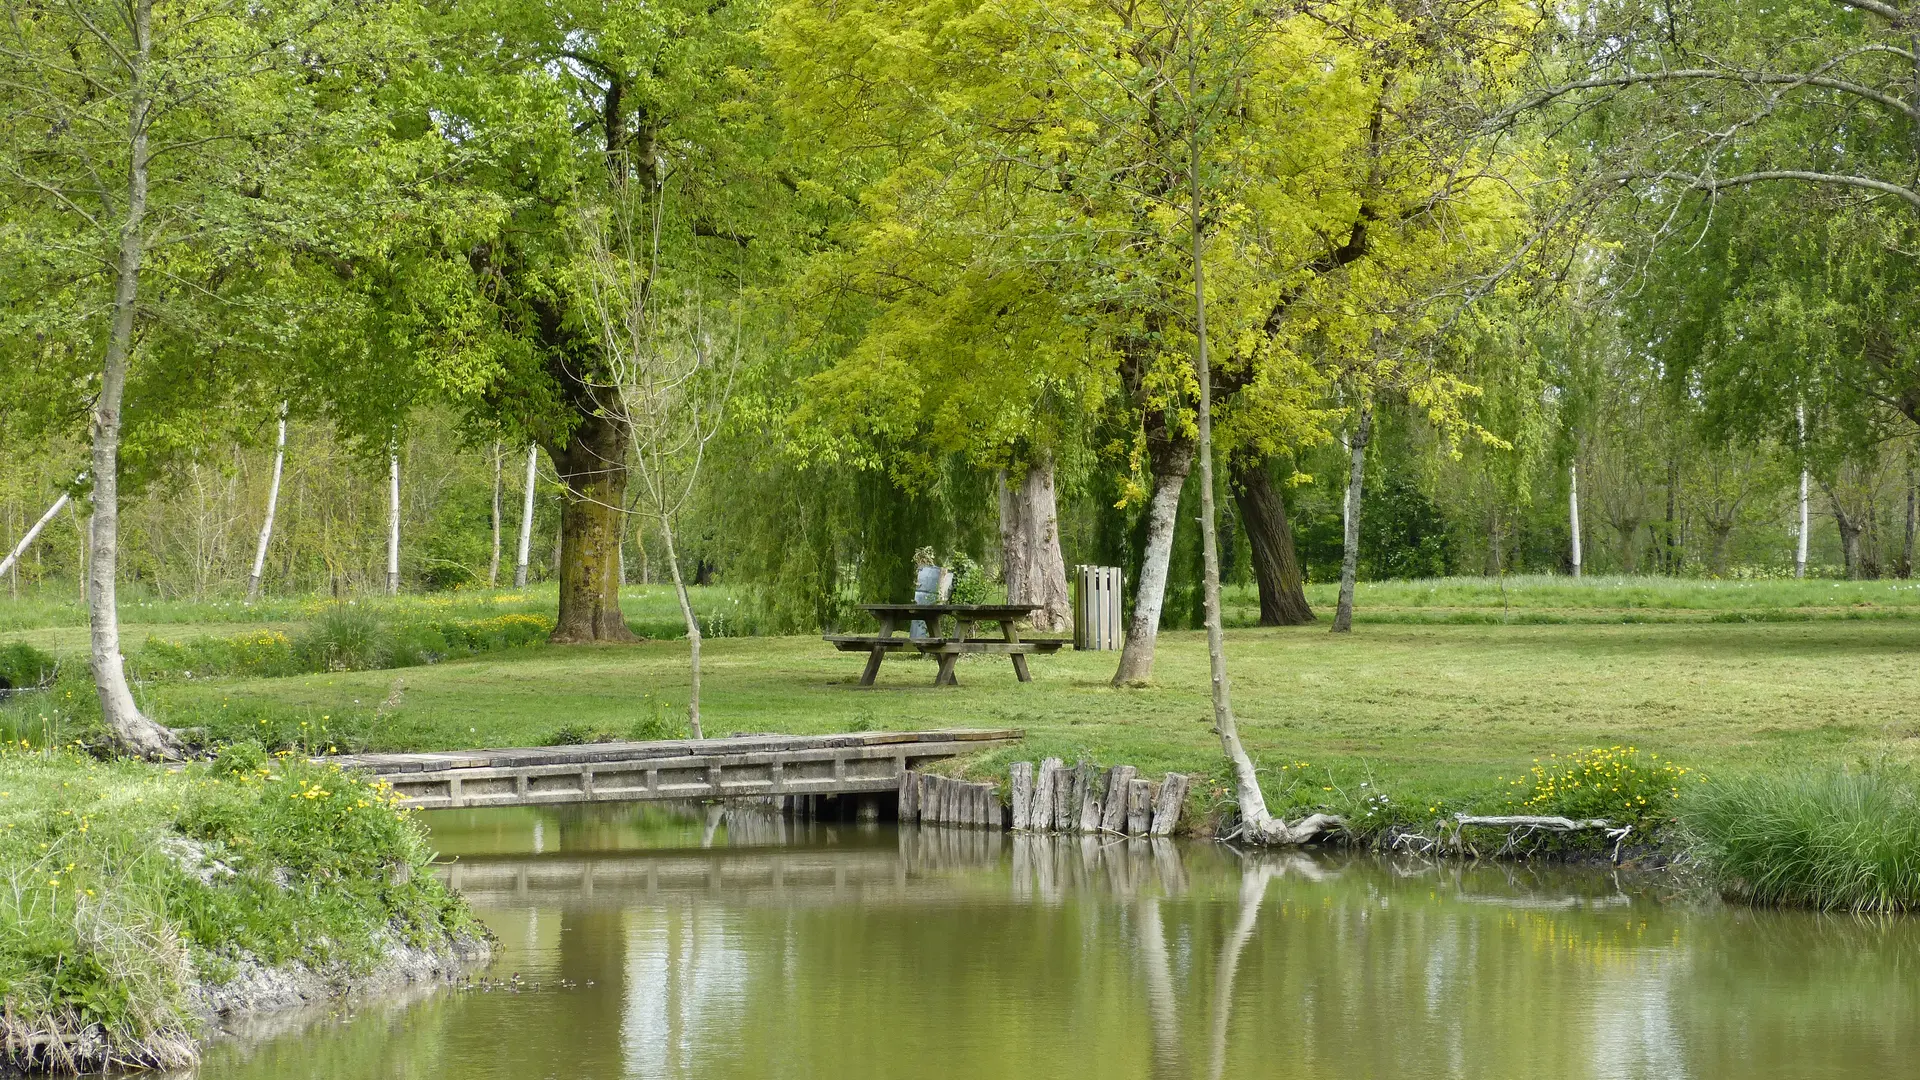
(1257, 824)
(592, 466)
(273, 503)
(132, 731)
(1276, 565)
(12, 561)
(1170, 463)
(1850, 530)
(1033, 567)
(1350, 554)
(526, 520)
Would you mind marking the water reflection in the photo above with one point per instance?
(719, 944)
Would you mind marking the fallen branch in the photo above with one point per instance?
(1523, 825)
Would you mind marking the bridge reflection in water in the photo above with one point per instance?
(715, 944)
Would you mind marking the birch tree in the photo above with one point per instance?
(147, 152)
(273, 503)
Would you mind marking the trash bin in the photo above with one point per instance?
(1097, 599)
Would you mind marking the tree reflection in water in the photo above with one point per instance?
(724, 944)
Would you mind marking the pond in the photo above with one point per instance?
(668, 942)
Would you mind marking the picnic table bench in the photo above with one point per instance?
(950, 647)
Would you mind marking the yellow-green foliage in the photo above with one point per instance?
(122, 883)
(1613, 782)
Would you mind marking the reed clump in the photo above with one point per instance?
(1834, 839)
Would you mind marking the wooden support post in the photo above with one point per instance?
(1139, 807)
(1088, 820)
(1114, 817)
(1022, 793)
(1166, 809)
(937, 798)
(1064, 801)
(989, 806)
(909, 796)
(1043, 790)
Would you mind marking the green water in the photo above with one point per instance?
(655, 944)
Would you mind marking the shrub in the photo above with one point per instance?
(23, 667)
(1614, 782)
(655, 723)
(1832, 840)
(343, 638)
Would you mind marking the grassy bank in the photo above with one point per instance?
(130, 896)
(1451, 700)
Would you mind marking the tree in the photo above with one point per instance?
(151, 156)
(671, 367)
(571, 102)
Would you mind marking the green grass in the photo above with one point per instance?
(1444, 714)
(1823, 838)
(123, 885)
(1450, 695)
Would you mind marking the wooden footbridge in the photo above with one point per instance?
(743, 766)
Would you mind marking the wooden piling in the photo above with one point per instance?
(1022, 792)
(1113, 818)
(1166, 809)
(909, 796)
(1139, 807)
(1043, 794)
(1087, 817)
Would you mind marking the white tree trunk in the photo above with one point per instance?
(1573, 512)
(393, 523)
(693, 628)
(526, 520)
(1800, 554)
(1033, 567)
(13, 557)
(1350, 555)
(273, 503)
(134, 732)
(1143, 628)
(493, 563)
(1258, 825)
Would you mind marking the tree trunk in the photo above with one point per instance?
(133, 732)
(1573, 513)
(693, 630)
(1670, 559)
(1800, 553)
(1257, 824)
(493, 562)
(1032, 565)
(393, 522)
(273, 503)
(1850, 529)
(1913, 517)
(12, 561)
(526, 520)
(1276, 565)
(1718, 533)
(1350, 552)
(593, 466)
(1170, 462)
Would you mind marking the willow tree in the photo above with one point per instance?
(1035, 148)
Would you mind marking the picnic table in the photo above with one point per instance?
(963, 639)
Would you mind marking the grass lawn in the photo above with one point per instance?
(1445, 688)
(1428, 712)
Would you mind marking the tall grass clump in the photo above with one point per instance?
(1832, 840)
